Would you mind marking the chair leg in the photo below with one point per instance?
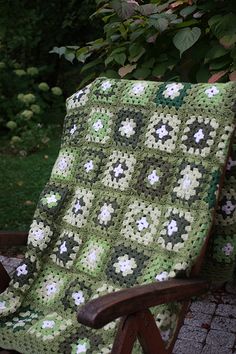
(141, 326)
(149, 335)
(126, 335)
(4, 278)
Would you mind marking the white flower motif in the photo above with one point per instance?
(172, 90)
(162, 276)
(51, 288)
(228, 249)
(161, 132)
(142, 224)
(81, 348)
(22, 270)
(212, 91)
(63, 247)
(231, 163)
(172, 227)
(125, 265)
(62, 164)
(51, 199)
(48, 324)
(78, 297)
(2, 305)
(186, 183)
(153, 177)
(89, 166)
(118, 170)
(97, 125)
(93, 256)
(77, 207)
(106, 85)
(199, 135)
(228, 207)
(127, 128)
(138, 89)
(38, 234)
(105, 213)
(73, 129)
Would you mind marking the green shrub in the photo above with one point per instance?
(27, 107)
(188, 40)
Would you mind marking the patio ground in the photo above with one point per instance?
(209, 326)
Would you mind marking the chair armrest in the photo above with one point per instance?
(4, 278)
(9, 239)
(98, 312)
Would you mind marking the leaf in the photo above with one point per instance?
(142, 73)
(123, 8)
(203, 74)
(135, 49)
(185, 38)
(91, 65)
(188, 10)
(161, 24)
(160, 70)
(147, 9)
(215, 52)
(70, 56)
(223, 25)
(58, 50)
(228, 41)
(126, 70)
(219, 64)
(120, 58)
(215, 77)
(232, 76)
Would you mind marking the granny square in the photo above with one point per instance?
(78, 211)
(89, 165)
(128, 127)
(66, 248)
(155, 177)
(65, 164)
(119, 170)
(172, 94)
(162, 131)
(99, 125)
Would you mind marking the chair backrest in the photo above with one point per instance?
(132, 194)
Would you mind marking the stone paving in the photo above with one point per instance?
(209, 326)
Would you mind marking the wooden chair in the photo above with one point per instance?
(133, 304)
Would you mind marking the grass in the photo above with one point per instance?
(22, 180)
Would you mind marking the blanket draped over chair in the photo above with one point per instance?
(131, 200)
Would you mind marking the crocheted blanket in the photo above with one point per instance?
(130, 201)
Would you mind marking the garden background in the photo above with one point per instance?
(49, 49)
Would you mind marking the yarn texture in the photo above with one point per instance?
(130, 200)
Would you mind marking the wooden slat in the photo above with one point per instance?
(107, 308)
(4, 278)
(8, 239)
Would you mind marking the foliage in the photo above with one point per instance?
(27, 105)
(188, 40)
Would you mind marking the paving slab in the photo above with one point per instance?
(226, 310)
(187, 347)
(224, 324)
(198, 319)
(203, 307)
(191, 333)
(210, 349)
(220, 338)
